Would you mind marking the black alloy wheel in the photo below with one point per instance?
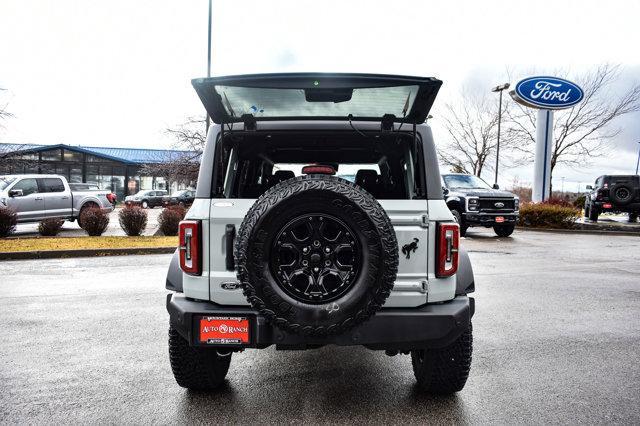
(315, 258)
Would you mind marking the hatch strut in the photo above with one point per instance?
(420, 169)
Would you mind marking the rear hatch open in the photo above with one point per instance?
(317, 96)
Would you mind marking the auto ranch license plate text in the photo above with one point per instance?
(224, 330)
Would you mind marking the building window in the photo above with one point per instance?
(76, 174)
(71, 156)
(93, 174)
(51, 155)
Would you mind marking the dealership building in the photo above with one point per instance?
(115, 169)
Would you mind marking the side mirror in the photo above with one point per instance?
(589, 187)
(445, 191)
(16, 193)
(496, 186)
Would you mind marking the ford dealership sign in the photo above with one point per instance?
(547, 93)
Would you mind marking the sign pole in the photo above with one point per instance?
(546, 94)
(495, 181)
(544, 148)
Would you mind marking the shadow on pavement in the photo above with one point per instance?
(333, 384)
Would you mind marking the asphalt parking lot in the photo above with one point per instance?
(556, 334)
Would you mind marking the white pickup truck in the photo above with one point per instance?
(37, 197)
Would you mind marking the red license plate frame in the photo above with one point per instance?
(499, 219)
(224, 330)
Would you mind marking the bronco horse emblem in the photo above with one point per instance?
(407, 249)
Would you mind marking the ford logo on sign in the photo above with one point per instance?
(547, 93)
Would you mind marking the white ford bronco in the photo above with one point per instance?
(319, 219)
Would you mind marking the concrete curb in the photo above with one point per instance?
(61, 254)
(582, 231)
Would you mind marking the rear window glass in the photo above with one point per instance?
(366, 102)
(345, 171)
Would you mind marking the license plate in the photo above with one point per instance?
(224, 330)
(499, 219)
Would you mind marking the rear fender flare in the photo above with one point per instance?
(465, 282)
(174, 274)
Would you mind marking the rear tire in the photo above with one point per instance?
(503, 230)
(593, 214)
(200, 369)
(444, 370)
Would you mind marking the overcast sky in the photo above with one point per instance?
(118, 73)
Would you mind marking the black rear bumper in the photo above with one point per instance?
(633, 207)
(433, 325)
(489, 219)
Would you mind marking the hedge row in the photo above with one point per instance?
(549, 215)
(133, 220)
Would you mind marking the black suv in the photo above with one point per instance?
(613, 194)
(474, 203)
(182, 198)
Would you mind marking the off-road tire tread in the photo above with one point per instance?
(445, 370)
(195, 368)
(389, 250)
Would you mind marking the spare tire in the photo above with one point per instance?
(622, 193)
(316, 255)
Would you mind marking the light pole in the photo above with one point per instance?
(208, 58)
(638, 160)
(499, 89)
(562, 189)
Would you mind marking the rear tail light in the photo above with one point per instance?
(448, 244)
(190, 247)
(607, 205)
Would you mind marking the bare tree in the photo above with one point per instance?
(7, 153)
(582, 132)
(472, 125)
(4, 113)
(181, 167)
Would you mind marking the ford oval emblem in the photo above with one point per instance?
(547, 93)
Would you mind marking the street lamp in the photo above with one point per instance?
(499, 89)
(208, 58)
(638, 160)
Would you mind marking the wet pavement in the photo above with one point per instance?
(556, 339)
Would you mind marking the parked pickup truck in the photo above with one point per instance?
(36, 197)
(78, 187)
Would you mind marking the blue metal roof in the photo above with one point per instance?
(125, 155)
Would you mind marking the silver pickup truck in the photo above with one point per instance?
(37, 197)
